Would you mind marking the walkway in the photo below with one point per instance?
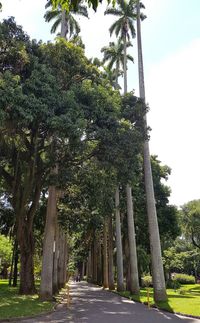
(91, 304)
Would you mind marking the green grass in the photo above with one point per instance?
(14, 305)
(185, 301)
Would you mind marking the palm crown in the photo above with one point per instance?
(73, 27)
(114, 54)
(126, 12)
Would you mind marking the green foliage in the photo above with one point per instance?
(73, 5)
(184, 279)
(5, 250)
(190, 220)
(147, 281)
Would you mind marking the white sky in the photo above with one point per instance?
(171, 45)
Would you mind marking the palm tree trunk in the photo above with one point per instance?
(110, 255)
(156, 257)
(134, 281)
(46, 287)
(120, 273)
(64, 25)
(55, 260)
(95, 260)
(125, 66)
(99, 263)
(105, 254)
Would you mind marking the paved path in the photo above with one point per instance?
(91, 304)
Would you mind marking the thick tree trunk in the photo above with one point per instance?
(120, 274)
(26, 244)
(156, 257)
(105, 254)
(110, 255)
(46, 287)
(134, 281)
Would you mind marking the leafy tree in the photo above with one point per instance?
(33, 108)
(190, 219)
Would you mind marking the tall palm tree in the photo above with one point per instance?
(123, 27)
(114, 55)
(156, 258)
(68, 23)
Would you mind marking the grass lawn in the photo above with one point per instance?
(185, 301)
(14, 305)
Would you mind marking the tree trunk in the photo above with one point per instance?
(110, 255)
(125, 66)
(83, 270)
(46, 287)
(15, 271)
(134, 282)
(156, 257)
(61, 261)
(95, 260)
(55, 260)
(120, 274)
(64, 25)
(89, 278)
(12, 264)
(105, 254)
(65, 260)
(99, 263)
(26, 244)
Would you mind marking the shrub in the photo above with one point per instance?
(174, 284)
(147, 281)
(184, 279)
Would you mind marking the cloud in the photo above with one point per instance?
(173, 94)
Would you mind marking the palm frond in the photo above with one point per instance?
(119, 27)
(130, 58)
(123, 5)
(115, 26)
(82, 11)
(55, 25)
(48, 4)
(49, 15)
(113, 11)
(132, 29)
(74, 27)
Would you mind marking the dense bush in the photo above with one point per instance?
(174, 284)
(147, 281)
(184, 279)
